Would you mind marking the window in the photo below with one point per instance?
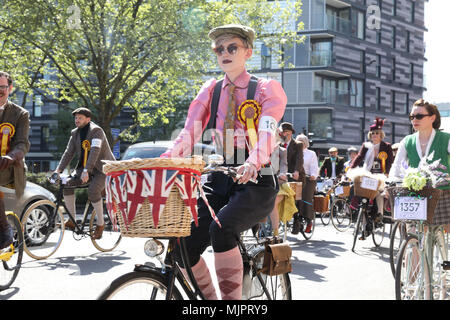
(266, 57)
(413, 11)
(406, 109)
(393, 69)
(408, 39)
(37, 106)
(320, 123)
(321, 52)
(411, 74)
(379, 35)
(356, 93)
(358, 24)
(378, 70)
(394, 7)
(378, 98)
(394, 36)
(393, 101)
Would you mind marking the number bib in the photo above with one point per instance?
(410, 208)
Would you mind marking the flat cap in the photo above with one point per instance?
(237, 29)
(84, 111)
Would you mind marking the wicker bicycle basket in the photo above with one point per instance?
(321, 203)
(175, 219)
(346, 193)
(297, 187)
(363, 192)
(431, 194)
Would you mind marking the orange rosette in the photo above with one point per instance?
(248, 114)
(86, 145)
(383, 156)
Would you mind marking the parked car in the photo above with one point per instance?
(153, 149)
(32, 193)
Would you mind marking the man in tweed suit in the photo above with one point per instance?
(16, 121)
(87, 141)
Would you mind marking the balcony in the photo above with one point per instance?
(337, 24)
(321, 58)
(331, 95)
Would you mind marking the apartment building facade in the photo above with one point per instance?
(360, 59)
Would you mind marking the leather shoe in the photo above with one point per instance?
(296, 227)
(6, 237)
(69, 225)
(98, 232)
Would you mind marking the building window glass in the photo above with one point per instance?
(37, 106)
(356, 93)
(321, 53)
(320, 123)
(378, 98)
(411, 74)
(358, 24)
(266, 57)
(408, 39)
(413, 11)
(394, 36)
(378, 70)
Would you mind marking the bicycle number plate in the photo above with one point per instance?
(339, 190)
(369, 183)
(410, 208)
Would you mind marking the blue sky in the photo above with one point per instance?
(437, 40)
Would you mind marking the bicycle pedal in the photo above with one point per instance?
(446, 265)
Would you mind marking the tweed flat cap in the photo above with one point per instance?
(237, 29)
(287, 126)
(84, 111)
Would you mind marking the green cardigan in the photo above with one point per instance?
(439, 146)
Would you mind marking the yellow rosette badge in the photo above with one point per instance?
(7, 130)
(383, 156)
(86, 146)
(248, 114)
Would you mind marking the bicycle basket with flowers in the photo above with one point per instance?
(421, 183)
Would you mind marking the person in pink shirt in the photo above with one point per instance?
(240, 204)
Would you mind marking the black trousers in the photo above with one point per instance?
(238, 208)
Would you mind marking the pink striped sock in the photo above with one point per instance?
(203, 278)
(229, 271)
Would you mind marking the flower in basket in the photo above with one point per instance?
(425, 175)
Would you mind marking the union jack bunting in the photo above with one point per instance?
(159, 182)
(188, 186)
(116, 192)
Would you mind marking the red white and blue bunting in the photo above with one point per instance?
(129, 189)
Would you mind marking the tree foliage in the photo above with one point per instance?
(147, 55)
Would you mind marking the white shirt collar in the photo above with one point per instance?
(430, 141)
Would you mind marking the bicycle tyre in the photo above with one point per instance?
(309, 235)
(151, 281)
(35, 224)
(403, 274)
(111, 234)
(251, 285)
(378, 233)
(341, 219)
(358, 226)
(400, 227)
(12, 266)
(439, 254)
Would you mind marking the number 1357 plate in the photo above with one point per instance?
(410, 208)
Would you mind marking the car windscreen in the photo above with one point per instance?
(145, 152)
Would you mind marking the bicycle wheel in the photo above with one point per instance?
(325, 218)
(358, 228)
(138, 285)
(12, 256)
(308, 235)
(411, 274)
(341, 214)
(441, 278)
(397, 236)
(279, 287)
(43, 226)
(111, 233)
(378, 232)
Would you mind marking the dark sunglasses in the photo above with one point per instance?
(232, 49)
(418, 116)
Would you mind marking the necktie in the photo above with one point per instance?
(228, 128)
(285, 145)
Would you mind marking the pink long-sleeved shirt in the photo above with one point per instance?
(269, 94)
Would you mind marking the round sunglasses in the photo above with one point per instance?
(232, 49)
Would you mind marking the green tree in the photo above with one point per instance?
(115, 54)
